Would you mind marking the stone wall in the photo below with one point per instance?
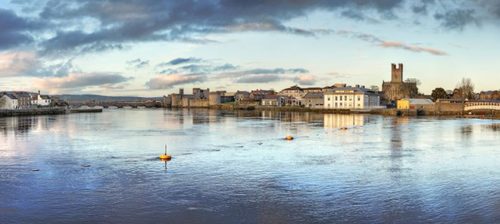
(32, 112)
(198, 103)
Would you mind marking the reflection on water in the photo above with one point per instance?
(234, 167)
(341, 120)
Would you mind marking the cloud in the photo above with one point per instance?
(263, 71)
(306, 80)
(457, 19)
(258, 78)
(206, 68)
(120, 22)
(181, 72)
(414, 48)
(26, 63)
(225, 67)
(15, 63)
(170, 81)
(178, 61)
(261, 75)
(81, 80)
(138, 63)
(14, 29)
(88, 26)
(390, 44)
(117, 24)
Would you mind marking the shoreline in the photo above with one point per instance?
(32, 112)
(46, 111)
(383, 112)
(393, 112)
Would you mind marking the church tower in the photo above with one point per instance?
(397, 73)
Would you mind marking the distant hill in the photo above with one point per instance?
(99, 98)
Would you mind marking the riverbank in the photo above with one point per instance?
(47, 111)
(85, 110)
(32, 112)
(378, 111)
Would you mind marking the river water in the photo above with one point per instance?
(234, 167)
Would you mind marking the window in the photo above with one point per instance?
(345, 98)
(336, 98)
(328, 98)
(335, 104)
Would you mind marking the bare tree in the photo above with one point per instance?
(465, 89)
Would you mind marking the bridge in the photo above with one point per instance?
(120, 104)
(482, 105)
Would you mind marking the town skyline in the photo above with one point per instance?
(153, 51)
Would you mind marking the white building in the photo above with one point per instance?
(40, 100)
(351, 98)
(9, 101)
(44, 100)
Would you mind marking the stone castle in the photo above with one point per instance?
(398, 89)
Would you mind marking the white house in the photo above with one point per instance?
(351, 98)
(44, 100)
(9, 101)
(40, 100)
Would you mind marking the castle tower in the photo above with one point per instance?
(397, 73)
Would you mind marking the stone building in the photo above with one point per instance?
(273, 100)
(293, 91)
(298, 92)
(259, 94)
(8, 101)
(241, 95)
(490, 95)
(219, 97)
(201, 94)
(397, 89)
(313, 100)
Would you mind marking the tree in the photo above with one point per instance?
(465, 89)
(439, 93)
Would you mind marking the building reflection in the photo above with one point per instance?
(25, 124)
(343, 120)
(289, 116)
(396, 147)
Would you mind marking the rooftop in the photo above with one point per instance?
(314, 95)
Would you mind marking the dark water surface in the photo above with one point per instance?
(233, 167)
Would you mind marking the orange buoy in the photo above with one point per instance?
(289, 137)
(165, 156)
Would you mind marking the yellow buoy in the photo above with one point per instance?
(289, 137)
(165, 156)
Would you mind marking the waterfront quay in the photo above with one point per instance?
(398, 97)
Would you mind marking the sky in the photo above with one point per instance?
(155, 47)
